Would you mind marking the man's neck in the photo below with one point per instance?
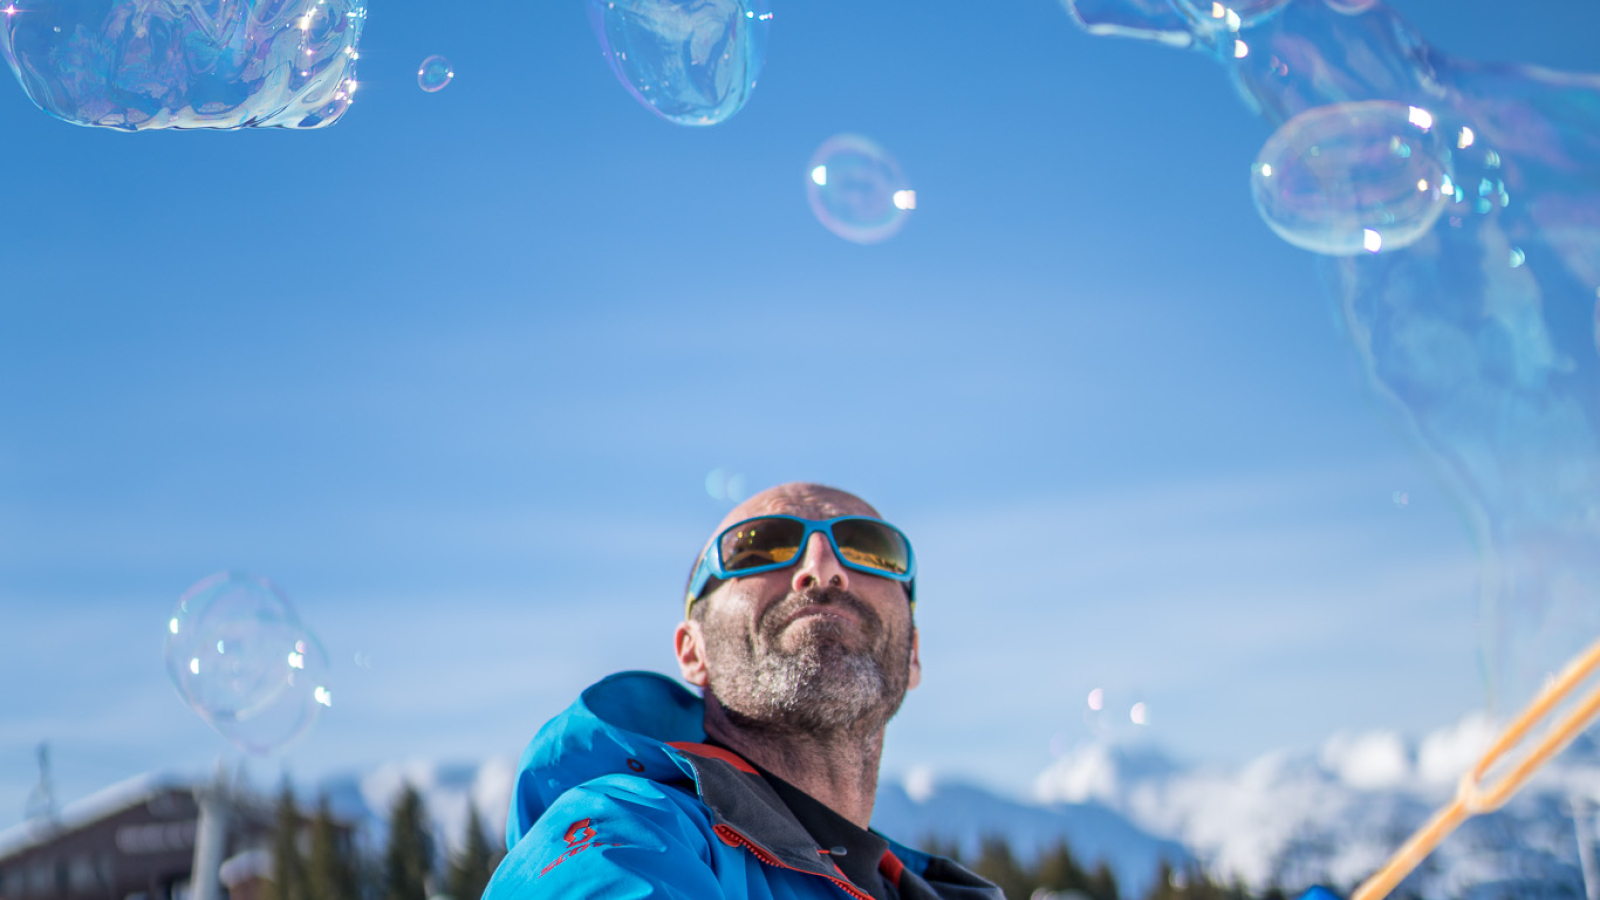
(839, 769)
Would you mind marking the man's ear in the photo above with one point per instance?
(690, 646)
(916, 662)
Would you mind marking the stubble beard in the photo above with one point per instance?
(821, 686)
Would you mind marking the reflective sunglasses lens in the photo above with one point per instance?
(873, 545)
(760, 542)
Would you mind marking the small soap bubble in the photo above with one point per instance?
(136, 65)
(1111, 719)
(1351, 7)
(1400, 498)
(1349, 177)
(857, 191)
(693, 62)
(434, 73)
(242, 660)
(724, 485)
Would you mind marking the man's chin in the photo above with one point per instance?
(828, 635)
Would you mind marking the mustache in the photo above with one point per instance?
(784, 609)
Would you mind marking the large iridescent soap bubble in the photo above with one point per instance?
(243, 661)
(1484, 327)
(857, 190)
(136, 65)
(693, 62)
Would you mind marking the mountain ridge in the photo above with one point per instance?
(1284, 819)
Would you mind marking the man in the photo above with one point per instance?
(798, 627)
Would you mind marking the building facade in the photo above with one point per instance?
(133, 841)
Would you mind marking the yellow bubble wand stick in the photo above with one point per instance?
(1473, 796)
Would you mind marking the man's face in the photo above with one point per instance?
(811, 648)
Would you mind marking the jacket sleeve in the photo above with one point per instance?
(615, 837)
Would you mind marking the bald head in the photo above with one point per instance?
(798, 498)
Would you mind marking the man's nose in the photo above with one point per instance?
(818, 568)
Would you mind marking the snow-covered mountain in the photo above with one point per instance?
(1335, 816)
(1330, 817)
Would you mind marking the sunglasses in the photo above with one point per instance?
(766, 543)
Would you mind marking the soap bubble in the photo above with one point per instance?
(243, 661)
(434, 74)
(725, 485)
(1157, 20)
(1482, 329)
(693, 62)
(1116, 717)
(1332, 177)
(1233, 15)
(857, 191)
(142, 64)
(1180, 23)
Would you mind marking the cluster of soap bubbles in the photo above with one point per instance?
(243, 661)
(1457, 210)
(857, 191)
(144, 64)
(693, 62)
(147, 64)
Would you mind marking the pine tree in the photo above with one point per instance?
(1058, 870)
(471, 867)
(408, 860)
(288, 866)
(997, 863)
(936, 846)
(1163, 886)
(1102, 884)
(331, 873)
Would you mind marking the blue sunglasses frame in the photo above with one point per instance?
(710, 565)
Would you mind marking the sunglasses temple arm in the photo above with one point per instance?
(697, 584)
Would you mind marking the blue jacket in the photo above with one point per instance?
(618, 797)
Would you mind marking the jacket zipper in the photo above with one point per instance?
(733, 838)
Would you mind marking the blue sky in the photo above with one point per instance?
(453, 372)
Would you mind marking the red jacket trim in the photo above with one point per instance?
(727, 756)
(891, 867)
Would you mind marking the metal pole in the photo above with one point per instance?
(211, 837)
(1583, 824)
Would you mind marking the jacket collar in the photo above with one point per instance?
(649, 725)
(747, 812)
